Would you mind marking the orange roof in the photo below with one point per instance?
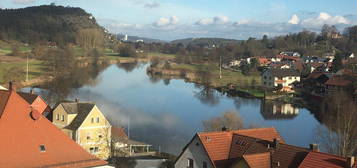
(218, 144)
(260, 160)
(338, 81)
(322, 160)
(28, 139)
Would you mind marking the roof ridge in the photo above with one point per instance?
(234, 131)
(329, 154)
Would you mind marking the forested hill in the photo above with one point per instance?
(48, 23)
(205, 41)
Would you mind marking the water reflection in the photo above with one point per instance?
(128, 67)
(272, 110)
(167, 113)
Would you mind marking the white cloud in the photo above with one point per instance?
(213, 20)
(23, 1)
(166, 21)
(152, 5)
(325, 18)
(294, 20)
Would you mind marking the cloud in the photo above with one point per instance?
(294, 20)
(166, 21)
(217, 20)
(151, 5)
(23, 1)
(325, 18)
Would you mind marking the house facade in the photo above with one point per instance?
(284, 78)
(85, 124)
(194, 155)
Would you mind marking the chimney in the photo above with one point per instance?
(350, 162)
(314, 147)
(32, 91)
(12, 86)
(76, 100)
(225, 128)
(275, 143)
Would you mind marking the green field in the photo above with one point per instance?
(161, 55)
(35, 69)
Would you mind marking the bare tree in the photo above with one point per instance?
(339, 135)
(230, 119)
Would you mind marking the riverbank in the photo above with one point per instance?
(225, 81)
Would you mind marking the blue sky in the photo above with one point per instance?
(238, 19)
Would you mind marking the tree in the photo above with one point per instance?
(337, 63)
(339, 114)
(230, 120)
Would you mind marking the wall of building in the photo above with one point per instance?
(196, 152)
(95, 134)
(60, 117)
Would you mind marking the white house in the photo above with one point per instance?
(272, 78)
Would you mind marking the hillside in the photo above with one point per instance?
(48, 23)
(205, 41)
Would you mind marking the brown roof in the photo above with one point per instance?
(260, 160)
(81, 109)
(322, 160)
(4, 96)
(338, 81)
(30, 140)
(218, 144)
(315, 75)
(118, 133)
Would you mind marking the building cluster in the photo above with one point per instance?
(73, 134)
(254, 148)
(283, 72)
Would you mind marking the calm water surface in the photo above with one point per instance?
(167, 114)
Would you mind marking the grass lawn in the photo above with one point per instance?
(227, 76)
(34, 68)
(161, 55)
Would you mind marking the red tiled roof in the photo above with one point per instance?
(260, 160)
(218, 144)
(323, 160)
(22, 138)
(338, 81)
(118, 133)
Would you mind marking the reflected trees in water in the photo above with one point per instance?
(230, 119)
(338, 135)
(128, 67)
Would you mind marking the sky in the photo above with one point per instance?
(234, 19)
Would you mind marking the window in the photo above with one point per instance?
(42, 148)
(100, 136)
(62, 118)
(88, 136)
(92, 120)
(91, 150)
(96, 150)
(290, 78)
(190, 163)
(57, 117)
(204, 164)
(97, 119)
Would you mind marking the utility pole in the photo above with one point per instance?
(220, 66)
(27, 67)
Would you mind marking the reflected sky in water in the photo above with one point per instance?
(170, 115)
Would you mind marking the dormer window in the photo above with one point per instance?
(97, 119)
(42, 148)
(62, 118)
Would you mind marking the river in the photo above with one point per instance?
(168, 113)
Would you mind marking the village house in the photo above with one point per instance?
(37, 103)
(85, 124)
(337, 83)
(283, 78)
(2, 88)
(292, 54)
(28, 139)
(253, 148)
